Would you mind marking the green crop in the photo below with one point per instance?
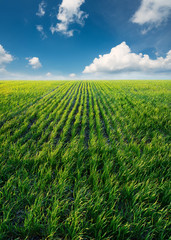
(85, 160)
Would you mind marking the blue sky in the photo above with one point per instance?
(85, 39)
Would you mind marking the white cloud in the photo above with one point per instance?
(152, 12)
(69, 13)
(122, 59)
(5, 58)
(41, 9)
(2, 70)
(72, 75)
(34, 62)
(41, 30)
(122, 75)
(48, 74)
(30, 76)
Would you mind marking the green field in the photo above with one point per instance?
(85, 160)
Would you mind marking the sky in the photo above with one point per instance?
(85, 39)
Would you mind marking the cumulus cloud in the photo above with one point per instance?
(41, 30)
(34, 62)
(49, 74)
(69, 13)
(72, 75)
(5, 58)
(121, 58)
(41, 9)
(152, 12)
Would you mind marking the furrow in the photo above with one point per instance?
(59, 127)
(87, 128)
(64, 134)
(29, 122)
(46, 118)
(15, 122)
(78, 117)
(101, 129)
(15, 114)
(58, 115)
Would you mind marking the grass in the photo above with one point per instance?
(85, 160)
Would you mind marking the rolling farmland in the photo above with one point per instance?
(85, 160)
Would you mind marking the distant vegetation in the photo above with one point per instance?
(85, 160)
